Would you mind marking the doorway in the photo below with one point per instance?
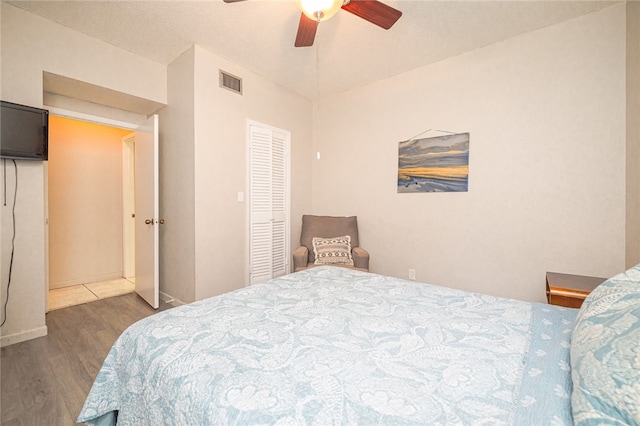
(128, 207)
(87, 187)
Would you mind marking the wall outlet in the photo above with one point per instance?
(412, 274)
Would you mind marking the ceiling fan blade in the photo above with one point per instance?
(231, 1)
(306, 31)
(374, 11)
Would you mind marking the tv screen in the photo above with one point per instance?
(24, 132)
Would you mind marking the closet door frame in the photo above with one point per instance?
(257, 273)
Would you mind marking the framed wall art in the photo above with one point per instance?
(434, 164)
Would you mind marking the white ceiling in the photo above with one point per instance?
(348, 52)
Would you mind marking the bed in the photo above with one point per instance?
(330, 345)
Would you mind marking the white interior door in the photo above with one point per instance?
(146, 208)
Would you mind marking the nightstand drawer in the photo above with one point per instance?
(570, 290)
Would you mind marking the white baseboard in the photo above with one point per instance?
(23, 336)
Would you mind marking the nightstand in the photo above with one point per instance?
(570, 290)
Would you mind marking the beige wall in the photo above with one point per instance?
(633, 134)
(209, 157)
(547, 117)
(177, 236)
(85, 202)
(546, 114)
(26, 306)
(31, 45)
(220, 159)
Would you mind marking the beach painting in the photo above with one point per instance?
(436, 164)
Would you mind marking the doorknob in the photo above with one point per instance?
(148, 221)
(161, 221)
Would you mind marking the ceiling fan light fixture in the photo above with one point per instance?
(319, 10)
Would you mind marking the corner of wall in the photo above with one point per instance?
(177, 240)
(632, 228)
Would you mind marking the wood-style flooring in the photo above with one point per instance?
(45, 381)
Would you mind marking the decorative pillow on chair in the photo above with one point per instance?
(605, 354)
(331, 251)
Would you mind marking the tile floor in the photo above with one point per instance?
(84, 293)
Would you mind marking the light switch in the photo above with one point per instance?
(240, 197)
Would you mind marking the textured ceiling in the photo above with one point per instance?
(348, 52)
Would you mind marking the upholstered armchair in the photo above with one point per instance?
(327, 227)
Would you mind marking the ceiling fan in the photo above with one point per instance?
(314, 11)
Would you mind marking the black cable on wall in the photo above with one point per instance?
(13, 238)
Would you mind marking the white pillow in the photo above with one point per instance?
(605, 354)
(331, 251)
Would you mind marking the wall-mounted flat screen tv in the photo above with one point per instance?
(24, 132)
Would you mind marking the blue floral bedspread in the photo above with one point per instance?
(331, 345)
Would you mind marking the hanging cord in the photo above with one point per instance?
(13, 238)
(4, 167)
(430, 130)
(317, 44)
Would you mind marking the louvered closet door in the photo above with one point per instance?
(268, 202)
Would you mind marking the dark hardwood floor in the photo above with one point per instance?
(45, 381)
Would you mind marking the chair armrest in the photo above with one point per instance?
(360, 258)
(300, 257)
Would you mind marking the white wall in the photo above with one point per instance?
(220, 163)
(31, 45)
(633, 134)
(177, 235)
(546, 114)
(26, 306)
(85, 202)
(202, 214)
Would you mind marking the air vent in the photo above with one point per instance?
(230, 82)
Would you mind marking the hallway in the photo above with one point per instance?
(84, 293)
